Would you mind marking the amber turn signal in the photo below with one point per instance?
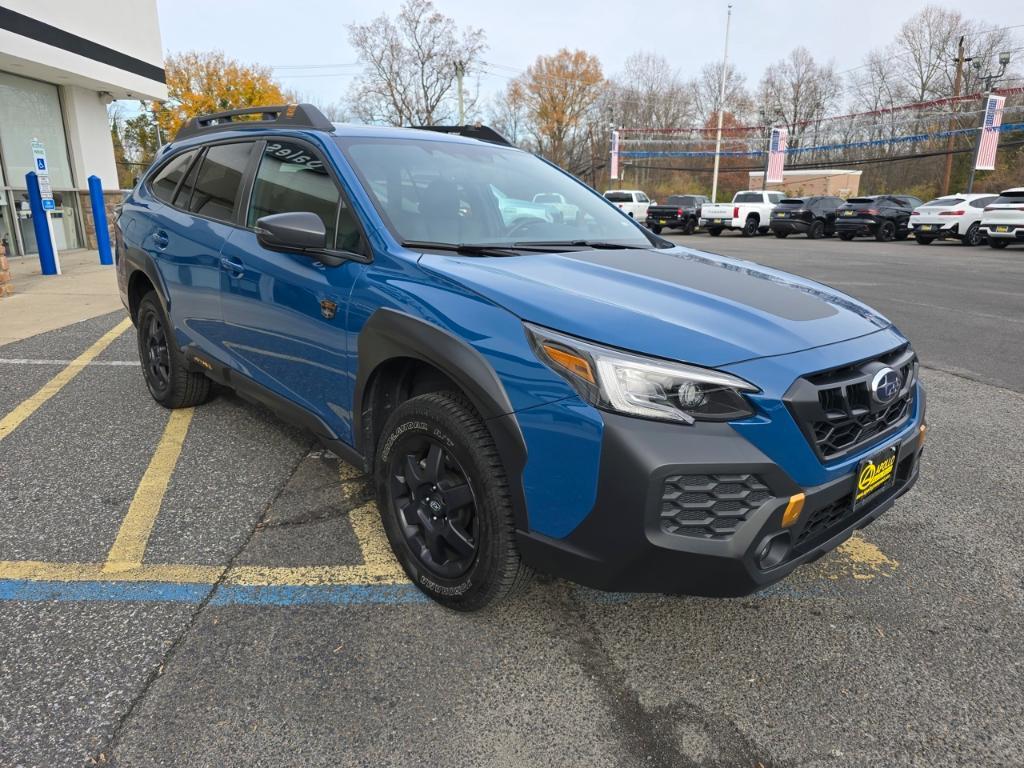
(793, 510)
(572, 362)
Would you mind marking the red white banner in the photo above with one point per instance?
(615, 155)
(990, 134)
(777, 155)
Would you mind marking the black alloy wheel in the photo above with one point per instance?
(435, 505)
(155, 354)
(886, 232)
(689, 226)
(972, 236)
(749, 227)
(817, 230)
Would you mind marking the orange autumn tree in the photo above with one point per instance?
(560, 92)
(200, 82)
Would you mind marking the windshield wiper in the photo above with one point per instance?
(473, 249)
(601, 244)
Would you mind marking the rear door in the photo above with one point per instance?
(285, 312)
(186, 238)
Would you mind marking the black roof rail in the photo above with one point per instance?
(479, 132)
(285, 115)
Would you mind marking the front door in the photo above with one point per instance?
(285, 313)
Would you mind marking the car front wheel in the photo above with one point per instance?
(445, 503)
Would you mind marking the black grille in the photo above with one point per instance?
(835, 408)
(710, 506)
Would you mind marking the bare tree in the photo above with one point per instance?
(509, 114)
(798, 90)
(705, 89)
(409, 65)
(650, 93)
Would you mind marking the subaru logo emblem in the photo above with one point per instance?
(886, 385)
(435, 505)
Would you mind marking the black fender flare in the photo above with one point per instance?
(390, 334)
(143, 262)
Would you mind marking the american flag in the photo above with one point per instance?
(776, 155)
(990, 134)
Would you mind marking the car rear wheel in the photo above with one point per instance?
(749, 227)
(886, 232)
(445, 503)
(972, 236)
(656, 229)
(922, 240)
(845, 236)
(689, 226)
(715, 231)
(816, 231)
(164, 367)
(997, 243)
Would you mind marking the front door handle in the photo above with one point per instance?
(232, 266)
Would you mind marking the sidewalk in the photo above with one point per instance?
(39, 304)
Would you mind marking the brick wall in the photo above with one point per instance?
(110, 199)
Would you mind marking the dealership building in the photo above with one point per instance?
(61, 64)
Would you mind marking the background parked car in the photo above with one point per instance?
(750, 212)
(884, 217)
(1002, 221)
(556, 203)
(956, 216)
(632, 201)
(813, 216)
(678, 212)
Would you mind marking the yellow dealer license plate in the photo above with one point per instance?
(1002, 229)
(662, 221)
(875, 476)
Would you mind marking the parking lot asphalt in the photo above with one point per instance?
(212, 588)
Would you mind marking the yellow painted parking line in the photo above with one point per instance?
(130, 545)
(26, 408)
(35, 570)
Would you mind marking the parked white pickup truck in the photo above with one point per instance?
(750, 212)
(632, 201)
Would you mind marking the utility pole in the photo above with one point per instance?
(990, 78)
(952, 120)
(721, 107)
(460, 72)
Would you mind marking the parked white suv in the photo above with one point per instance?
(956, 216)
(631, 201)
(750, 212)
(1002, 221)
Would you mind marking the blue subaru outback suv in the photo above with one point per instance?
(532, 386)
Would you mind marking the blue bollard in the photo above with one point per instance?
(99, 220)
(47, 259)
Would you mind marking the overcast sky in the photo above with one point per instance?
(688, 33)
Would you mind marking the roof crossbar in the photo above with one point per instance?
(284, 115)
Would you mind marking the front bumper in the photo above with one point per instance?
(631, 542)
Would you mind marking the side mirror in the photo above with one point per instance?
(292, 231)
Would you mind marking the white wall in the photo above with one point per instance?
(92, 151)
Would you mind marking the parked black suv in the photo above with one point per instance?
(884, 217)
(813, 216)
(678, 212)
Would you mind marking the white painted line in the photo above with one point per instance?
(37, 361)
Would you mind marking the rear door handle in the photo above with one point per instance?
(232, 266)
(161, 239)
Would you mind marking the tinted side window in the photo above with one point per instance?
(219, 180)
(166, 180)
(981, 202)
(642, 198)
(291, 178)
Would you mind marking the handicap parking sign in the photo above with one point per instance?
(48, 205)
(40, 163)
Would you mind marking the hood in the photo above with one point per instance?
(673, 303)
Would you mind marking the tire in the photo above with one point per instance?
(901, 236)
(886, 232)
(689, 226)
(749, 227)
(656, 230)
(764, 230)
(847, 236)
(921, 240)
(998, 244)
(816, 231)
(780, 235)
(164, 367)
(464, 557)
(972, 236)
(715, 231)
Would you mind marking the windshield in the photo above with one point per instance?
(748, 197)
(456, 193)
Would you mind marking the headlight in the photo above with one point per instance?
(642, 386)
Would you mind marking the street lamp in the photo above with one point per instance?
(990, 78)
